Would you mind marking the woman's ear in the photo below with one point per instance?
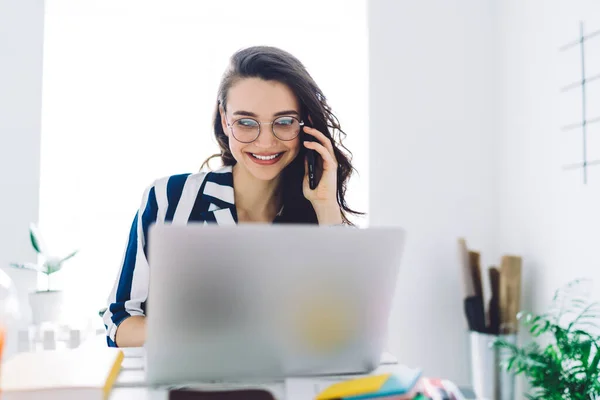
(223, 120)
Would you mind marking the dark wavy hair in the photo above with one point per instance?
(274, 64)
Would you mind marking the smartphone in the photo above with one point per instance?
(311, 156)
(311, 159)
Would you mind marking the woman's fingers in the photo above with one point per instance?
(329, 161)
(323, 140)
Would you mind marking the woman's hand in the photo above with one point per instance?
(131, 332)
(324, 197)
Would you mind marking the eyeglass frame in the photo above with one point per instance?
(230, 126)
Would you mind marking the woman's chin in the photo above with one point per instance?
(265, 172)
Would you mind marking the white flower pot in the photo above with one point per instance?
(46, 306)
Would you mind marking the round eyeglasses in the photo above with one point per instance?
(247, 130)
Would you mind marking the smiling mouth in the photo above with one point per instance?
(269, 157)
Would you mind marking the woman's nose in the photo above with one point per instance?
(266, 138)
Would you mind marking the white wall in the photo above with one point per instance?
(21, 42)
(466, 113)
(432, 156)
(547, 214)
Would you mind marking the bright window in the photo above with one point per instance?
(128, 95)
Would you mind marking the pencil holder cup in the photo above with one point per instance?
(489, 379)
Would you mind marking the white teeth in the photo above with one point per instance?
(265, 158)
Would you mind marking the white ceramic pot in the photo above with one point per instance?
(46, 306)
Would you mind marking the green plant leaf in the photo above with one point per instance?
(28, 266)
(34, 243)
(510, 364)
(591, 323)
(594, 364)
(540, 326)
(36, 240)
(585, 350)
(52, 266)
(579, 302)
(564, 297)
(590, 312)
(69, 256)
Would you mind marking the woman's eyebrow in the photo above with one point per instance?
(245, 113)
(277, 114)
(286, 112)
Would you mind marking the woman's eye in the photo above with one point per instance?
(285, 121)
(247, 123)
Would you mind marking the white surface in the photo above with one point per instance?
(133, 375)
(130, 385)
(132, 352)
(302, 389)
(138, 393)
(46, 306)
(433, 133)
(291, 389)
(489, 379)
(133, 363)
(474, 87)
(548, 215)
(388, 358)
(58, 370)
(21, 40)
(131, 378)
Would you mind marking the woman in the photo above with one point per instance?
(266, 103)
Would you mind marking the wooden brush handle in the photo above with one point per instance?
(465, 269)
(475, 272)
(510, 293)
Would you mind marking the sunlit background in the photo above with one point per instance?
(129, 90)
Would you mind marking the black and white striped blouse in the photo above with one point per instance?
(201, 197)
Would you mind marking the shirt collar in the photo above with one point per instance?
(220, 188)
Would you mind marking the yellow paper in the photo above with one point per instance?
(113, 374)
(354, 387)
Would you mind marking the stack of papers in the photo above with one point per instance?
(60, 374)
(402, 383)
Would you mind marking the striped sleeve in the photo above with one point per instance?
(130, 291)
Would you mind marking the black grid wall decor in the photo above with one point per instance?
(578, 48)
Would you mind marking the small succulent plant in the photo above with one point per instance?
(50, 264)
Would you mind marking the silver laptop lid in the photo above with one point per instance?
(264, 301)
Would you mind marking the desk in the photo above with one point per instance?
(130, 384)
(138, 394)
(131, 381)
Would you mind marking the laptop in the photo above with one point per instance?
(262, 302)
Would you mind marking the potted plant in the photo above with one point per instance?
(45, 304)
(563, 360)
